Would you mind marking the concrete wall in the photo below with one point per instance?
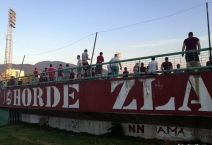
(137, 130)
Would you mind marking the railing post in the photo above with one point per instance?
(209, 39)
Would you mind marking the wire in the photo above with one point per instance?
(150, 20)
(61, 47)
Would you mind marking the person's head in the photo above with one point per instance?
(153, 58)
(136, 64)
(190, 34)
(45, 68)
(60, 65)
(116, 55)
(178, 65)
(78, 56)
(100, 53)
(92, 68)
(35, 68)
(125, 68)
(142, 64)
(85, 50)
(50, 65)
(166, 59)
(67, 65)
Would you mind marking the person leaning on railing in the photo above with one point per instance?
(153, 66)
(191, 43)
(143, 69)
(136, 69)
(51, 73)
(85, 59)
(114, 66)
(178, 70)
(100, 59)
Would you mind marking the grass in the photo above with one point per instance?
(32, 134)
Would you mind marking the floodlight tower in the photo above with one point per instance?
(9, 40)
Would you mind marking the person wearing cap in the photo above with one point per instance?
(85, 59)
(191, 43)
(100, 59)
(166, 66)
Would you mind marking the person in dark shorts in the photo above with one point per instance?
(100, 59)
(191, 43)
(166, 66)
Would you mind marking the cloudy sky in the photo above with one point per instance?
(45, 25)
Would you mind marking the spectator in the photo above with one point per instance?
(153, 66)
(136, 69)
(191, 43)
(12, 81)
(0, 80)
(85, 59)
(143, 69)
(72, 74)
(66, 72)
(178, 70)
(51, 73)
(44, 75)
(166, 66)
(109, 71)
(114, 66)
(93, 72)
(79, 63)
(100, 59)
(208, 62)
(60, 73)
(125, 72)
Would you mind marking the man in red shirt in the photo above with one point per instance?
(191, 43)
(35, 75)
(166, 66)
(143, 69)
(51, 73)
(100, 59)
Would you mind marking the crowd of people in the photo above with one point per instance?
(83, 68)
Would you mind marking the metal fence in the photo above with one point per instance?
(133, 66)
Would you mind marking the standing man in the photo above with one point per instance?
(166, 66)
(191, 43)
(153, 66)
(100, 59)
(60, 73)
(36, 75)
(51, 73)
(85, 59)
(79, 63)
(114, 66)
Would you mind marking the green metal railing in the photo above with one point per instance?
(174, 58)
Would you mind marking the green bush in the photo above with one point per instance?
(116, 129)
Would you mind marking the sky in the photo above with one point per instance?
(45, 25)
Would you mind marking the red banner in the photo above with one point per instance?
(187, 93)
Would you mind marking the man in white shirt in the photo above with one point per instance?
(153, 66)
(114, 66)
(79, 63)
(85, 59)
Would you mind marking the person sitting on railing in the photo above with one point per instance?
(36, 75)
(85, 59)
(66, 73)
(79, 63)
(136, 69)
(166, 66)
(191, 43)
(125, 72)
(100, 59)
(60, 73)
(143, 69)
(114, 66)
(72, 74)
(51, 73)
(153, 66)
(178, 70)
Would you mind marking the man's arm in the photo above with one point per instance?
(87, 57)
(199, 46)
(183, 49)
(120, 65)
